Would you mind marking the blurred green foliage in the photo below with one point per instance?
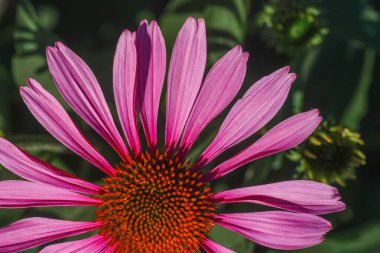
(226, 22)
(340, 76)
(31, 37)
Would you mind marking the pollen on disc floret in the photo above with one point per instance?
(156, 203)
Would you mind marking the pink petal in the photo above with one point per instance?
(151, 58)
(278, 230)
(125, 90)
(31, 168)
(93, 244)
(250, 113)
(81, 90)
(221, 85)
(285, 135)
(186, 70)
(31, 232)
(20, 194)
(47, 110)
(297, 196)
(212, 247)
(110, 249)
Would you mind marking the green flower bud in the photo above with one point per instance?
(291, 26)
(330, 155)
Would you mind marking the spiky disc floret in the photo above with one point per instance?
(156, 203)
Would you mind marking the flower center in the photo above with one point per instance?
(156, 203)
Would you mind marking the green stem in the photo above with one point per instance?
(358, 106)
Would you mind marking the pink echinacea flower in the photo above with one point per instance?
(154, 199)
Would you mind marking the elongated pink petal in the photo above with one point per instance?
(263, 82)
(285, 135)
(278, 230)
(21, 194)
(79, 87)
(212, 247)
(111, 248)
(298, 196)
(250, 113)
(47, 110)
(151, 56)
(31, 232)
(93, 244)
(31, 168)
(186, 70)
(125, 89)
(221, 85)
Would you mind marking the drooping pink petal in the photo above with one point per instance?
(21, 194)
(31, 168)
(93, 244)
(278, 230)
(212, 247)
(151, 58)
(221, 85)
(250, 113)
(125, 89)
(298, 196)
(47, 110)
(111, 248)
(79, 87)
(31, 232)
(285, 135)
(186, 70)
